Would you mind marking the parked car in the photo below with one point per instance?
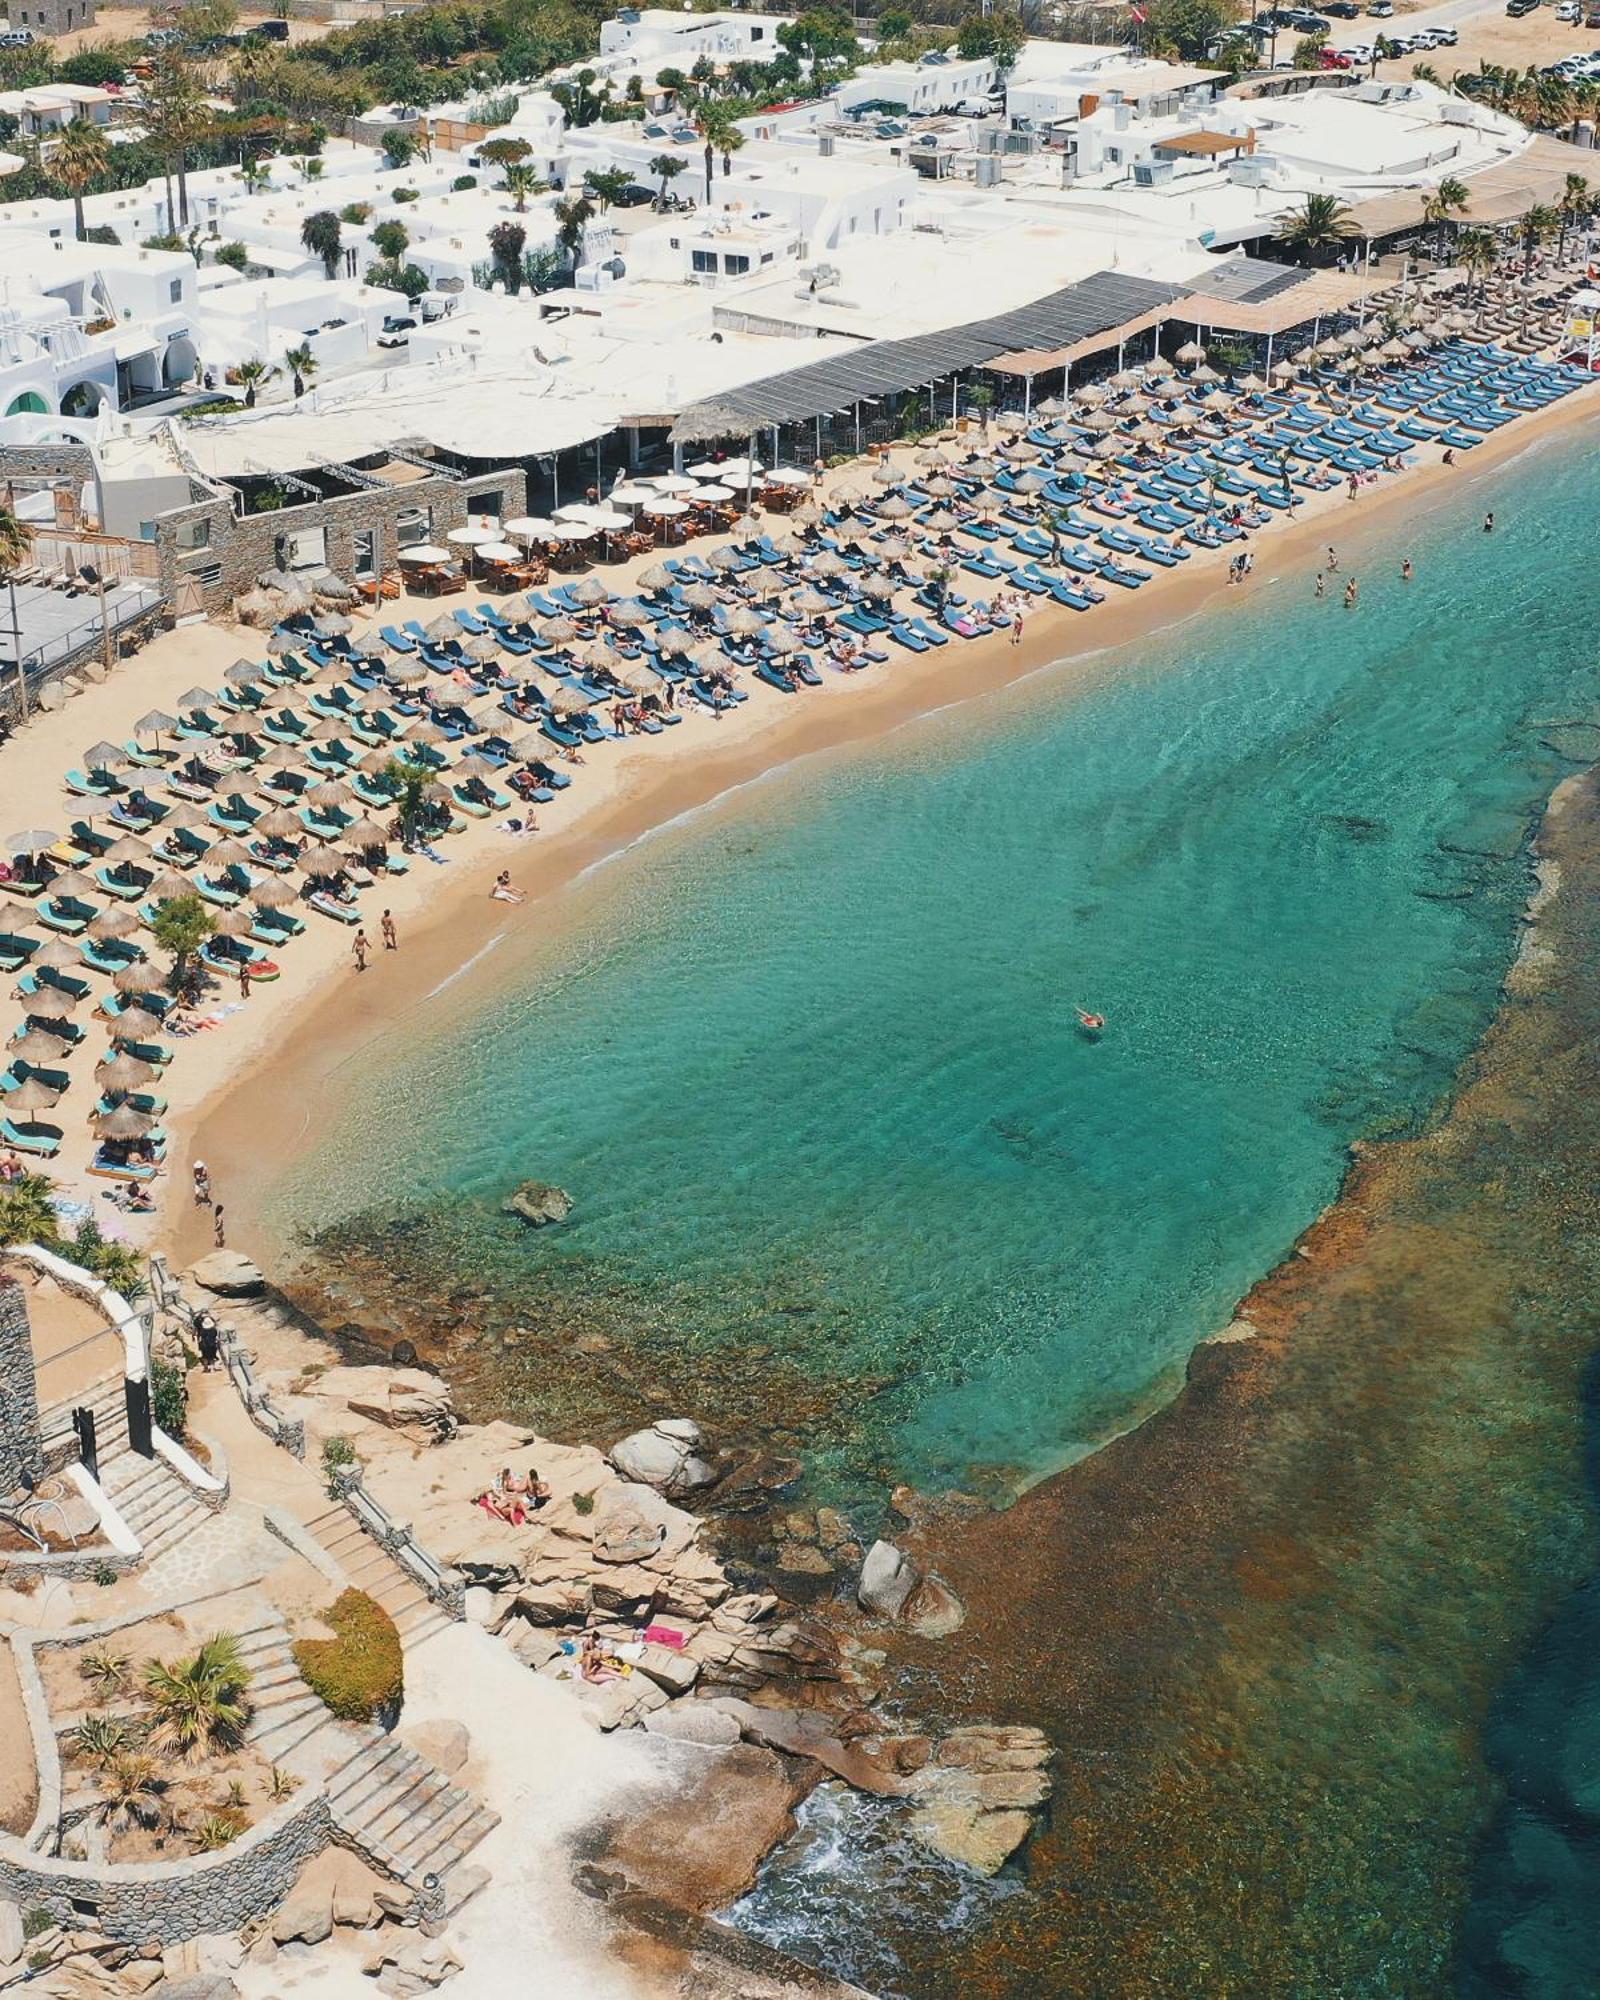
(1343, 10)
(17, 38)
(1569, 13)
(1444, 38)
(1332, 59)
(635, 196)
(1359, 53)
(1517, 8)
(1380, 10)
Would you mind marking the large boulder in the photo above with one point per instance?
(625, 1533)
(445, 1744)
(538, 1203)
(888, 1577)
(969, 1836)
(665, 1456)
(306, 1916)
(410, 1400)
(694, 1722)
(229, 1274)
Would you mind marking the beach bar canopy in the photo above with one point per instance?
(1093, 309)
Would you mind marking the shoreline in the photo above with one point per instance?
(246, 1118)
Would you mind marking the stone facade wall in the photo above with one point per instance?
(21, 1444)
(48, 461)
(55, 17)
(173, 1901)
(238, 550)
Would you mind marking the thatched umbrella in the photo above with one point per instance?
(406, 673)
(243, 673)
(1191, 350)
(568, 701)
(828, 564)
(123, 1122)
(235, 923)
(657, 577)
(136, 1024)
(227, 853)
(629, 613)
(32, 1094)
(156, 723)
(483, 649)
(52, 1003)
(725, 558)
(808, 603)
(895, 508)
(58, 953)
(558, 631)
(196, 701)
(168, 884)
(272, 893)
(367, 833)
(122, 1073)
(699, 596)
(136, 978)
(116, 922)
(592, 591)
(742, 621)
(104, 756)
(281, 824)
(940, 522)
(426, 733)
(37, 1046)
(331, 792)
(1205, 373)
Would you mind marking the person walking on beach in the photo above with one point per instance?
(244, 982)
(202, 1185)
(219, 1232)
(360, 948)
(208, 1335)
(1320, 589)
(1016, 630)
(386, 924)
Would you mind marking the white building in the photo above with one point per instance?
(657, 38)
(939, 82)
(86, 326)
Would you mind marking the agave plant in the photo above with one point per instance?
(201, 1704)
(216, 1832)
(282, 1784)
(131, 1789)
(99, 1738)
(104, 1669)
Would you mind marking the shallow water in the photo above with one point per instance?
(843, 1160)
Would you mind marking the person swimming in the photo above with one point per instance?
(1090, 1023)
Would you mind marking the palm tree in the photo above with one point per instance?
(1575, 203)
(302, 366)
(1449, 197)
(79, 161)
(175, 114)
(201, 1703)
(27, 1212)
(981, 399)
(573, 215)
(255, 174)
(1477, 251)
(130, 1792)
(15, 544)
(1322, 225)
(322, 236)
(729, 144)
(252, 374)
(521, 180)
(712, 121)
(666, 170)
(1536, 227)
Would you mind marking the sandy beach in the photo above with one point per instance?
(248, 1092)
(252, 1094)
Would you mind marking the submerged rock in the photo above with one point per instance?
(539, 1203)
(228, 1274)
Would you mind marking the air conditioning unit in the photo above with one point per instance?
(988, 170)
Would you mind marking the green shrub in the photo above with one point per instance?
(583, 1503)
(36, 1922)
(169, 1397)
(337, 1453)
(234, 255)
(463, 183)
(355, 211)
(360, 1672)
(104, 1575)
(102, 232)
(406, 194)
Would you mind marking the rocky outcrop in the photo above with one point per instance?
(888, 1577)
(978, 1794)
(409, 1399)
(666, 1456)
(228, 1274)
(538, 1203)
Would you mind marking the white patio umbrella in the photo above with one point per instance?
(423, 554)
(472, 536)
(712, 495)
(631, 495)
(530, 527)
(789, 475)
(500, 552)
(667, 509)
(674, 482)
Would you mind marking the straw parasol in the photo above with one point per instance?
(38, 1045)
(136, 1024)
(123, 1122)
(879, 586)
(72, 882)
(235, 923)
(272, 893)
(629, 612)
(52, 1003)
(225, 853)
(122, 1073)
(167, 884)
(940, 522)
(32, 1094)
(558, 631)
(657, 577)
(1191, 350)
(1205, 373)
(482, 649)
(331, 792)
(196, 700)
(243, 673)
(699, 596)
(568, 701)
(136, 978)
(156, 723)
(281, 824)
(743, 620)
(57, 952)
(406, 673)
(115, 922)
(591, 591)
(895, 508)
(725, 558)
(105, 757)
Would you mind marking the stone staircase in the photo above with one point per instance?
(286, 1713)
(371, 1568)
(154, 1502)
(402, 1812)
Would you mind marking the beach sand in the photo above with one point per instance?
(248, 1093)
(251, 1095)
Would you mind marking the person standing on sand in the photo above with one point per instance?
(202, 1185)
(1488, 524)
(244, 982)
(1016, 630)
(219, 1232)
(360, 948)
(386, 925)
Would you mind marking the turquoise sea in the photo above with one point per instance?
(849, 1177)
(812, 1069)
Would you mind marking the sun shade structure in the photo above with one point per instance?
(1098, 305)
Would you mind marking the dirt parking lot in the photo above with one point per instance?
(128, 24)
